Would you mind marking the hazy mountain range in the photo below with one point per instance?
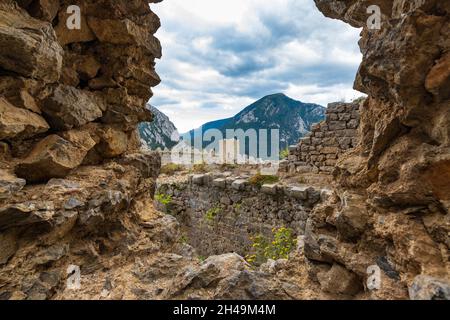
(293, 118)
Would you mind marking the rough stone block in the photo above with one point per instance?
(220, 183)
(19, 123)
(239, 184)
(300, 193)
(337, 125)
(269, 189)
(198, 179)
(339, 280)
(429, 288)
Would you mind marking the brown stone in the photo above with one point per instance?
(88, 67)
(114, 142)
(41, 9)
(438, 79)
(125, 32)
(28, 46)
(8, 247)
(25, 213)
(53, 157)
(19, 123)
(68, 107)
(66, 35)
(339, 280)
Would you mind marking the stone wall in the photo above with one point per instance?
(319, 150)
(242, 210)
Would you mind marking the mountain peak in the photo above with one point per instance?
(275, 95)
(275, 111)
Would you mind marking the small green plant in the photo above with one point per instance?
(201, 258)
(284, 154)
(184, 239)
(212, 213)
(283, 243)
(280, 247)
(164, 199)
(259, 179)
(259, 247)
(171, 168)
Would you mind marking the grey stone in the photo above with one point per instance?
(9, 184)
(198, 179)
(300, 193)
(220, 183)
(269, 189)
(239, 184)
(429, 288)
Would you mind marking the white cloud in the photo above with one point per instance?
(219, 56)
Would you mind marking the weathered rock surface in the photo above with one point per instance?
(429, 288)
(52, 157)
(28, 46)
(19, 123)
(9, 184)
(68, 107)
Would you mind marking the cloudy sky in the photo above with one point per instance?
(221, 55)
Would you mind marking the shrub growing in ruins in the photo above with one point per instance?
(171, 168)
(212, 213)
(280, 247)
(164, 199)
(282, 244)
(284, 154)
(200, 168)
(259, 179)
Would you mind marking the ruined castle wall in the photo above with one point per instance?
(238, 210)
(319, 150)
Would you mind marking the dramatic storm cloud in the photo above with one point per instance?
(221, 55)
